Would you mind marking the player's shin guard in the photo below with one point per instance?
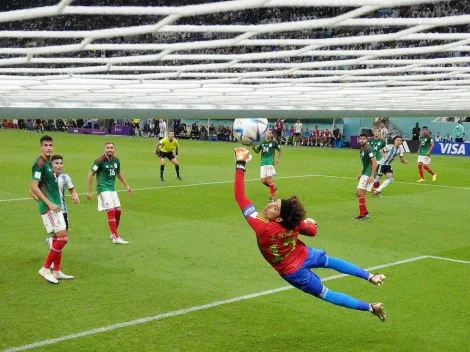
(345, 267)
(385, 184)
(112, 222)
(118, 217)
(54, 253)
(420, 170)
(343, 300)
(162, 168)
(272, 190)
(362, 206)
(177, 168)
(428, 169)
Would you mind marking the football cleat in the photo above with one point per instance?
(46, 274)
(272, 199)
(111, 236)
(161, 179)
(59, 275)
(434, 177)
(377, 279)
(378, 194)
(377, 309)
(119, 240)
(359, 218)
(421, 180)
(179, 178)
(366, 216)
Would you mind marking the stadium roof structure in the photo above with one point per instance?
(323, 76)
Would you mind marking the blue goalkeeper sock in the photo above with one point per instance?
(343, 300)
(346, 268)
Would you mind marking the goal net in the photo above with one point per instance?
(338, 55)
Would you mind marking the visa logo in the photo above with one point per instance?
(452, 149)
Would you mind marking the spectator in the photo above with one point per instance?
(337, 139)
(298, 128)
(176, 127)
(416, 132)
(438, 137)
(383, 131)
(278, 129)
(459, 132)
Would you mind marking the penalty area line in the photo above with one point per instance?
(189, 310)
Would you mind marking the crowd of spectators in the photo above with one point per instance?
(249, 16)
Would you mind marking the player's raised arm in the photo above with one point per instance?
(246, 205)
(256, 148)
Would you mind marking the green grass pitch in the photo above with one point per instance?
(190, 246)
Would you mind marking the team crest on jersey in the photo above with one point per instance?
(115, 165)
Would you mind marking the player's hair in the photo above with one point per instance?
(57, 157)
(363, 135)
(109, 142)
(376, 128)
(397, 136)
(425, 127)
(293, 212)
(45, 138)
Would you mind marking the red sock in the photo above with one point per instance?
(428, 169)
(376, 184)
(53, 253)
(118, 217)
(271, 189)
(420, 169)
(57, 261)
(112, 222)
(362, 206)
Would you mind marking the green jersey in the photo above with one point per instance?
(366, 155)
(377, 145)
(106, 171)
(425, 144)
(267, 149)
(43, 173)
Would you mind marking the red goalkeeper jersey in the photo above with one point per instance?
(280, 247)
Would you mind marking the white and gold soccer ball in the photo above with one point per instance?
(250, 131)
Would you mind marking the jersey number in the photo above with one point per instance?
(112, 172)
(290, 242)
(265, 149)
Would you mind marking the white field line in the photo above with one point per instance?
(449, 259)
(249, 180)
(202, 307)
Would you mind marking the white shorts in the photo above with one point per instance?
(53, 222)
(426, 160)
(108, 200)
(267, 171)
(365, 184)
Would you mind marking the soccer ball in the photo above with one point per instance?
(250, 131)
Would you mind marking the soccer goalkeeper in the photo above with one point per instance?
(277, 231)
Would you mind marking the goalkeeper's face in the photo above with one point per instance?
(273, 210)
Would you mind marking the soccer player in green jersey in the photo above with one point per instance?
(268, 150)
(106, 168)
(366, 178)
(377, 144)
(424, 151)
(44, 187)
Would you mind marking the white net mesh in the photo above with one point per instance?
(245, 54)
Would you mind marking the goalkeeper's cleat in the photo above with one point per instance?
(46, 274)
(119, 240)
(434, 177)
(421, 180)
(59, 275)
(377, 279)
(377, 309)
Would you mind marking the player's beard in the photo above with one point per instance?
(109, 154)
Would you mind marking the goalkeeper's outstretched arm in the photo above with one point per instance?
(246, 205)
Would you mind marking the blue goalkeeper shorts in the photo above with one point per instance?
(306, 280)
